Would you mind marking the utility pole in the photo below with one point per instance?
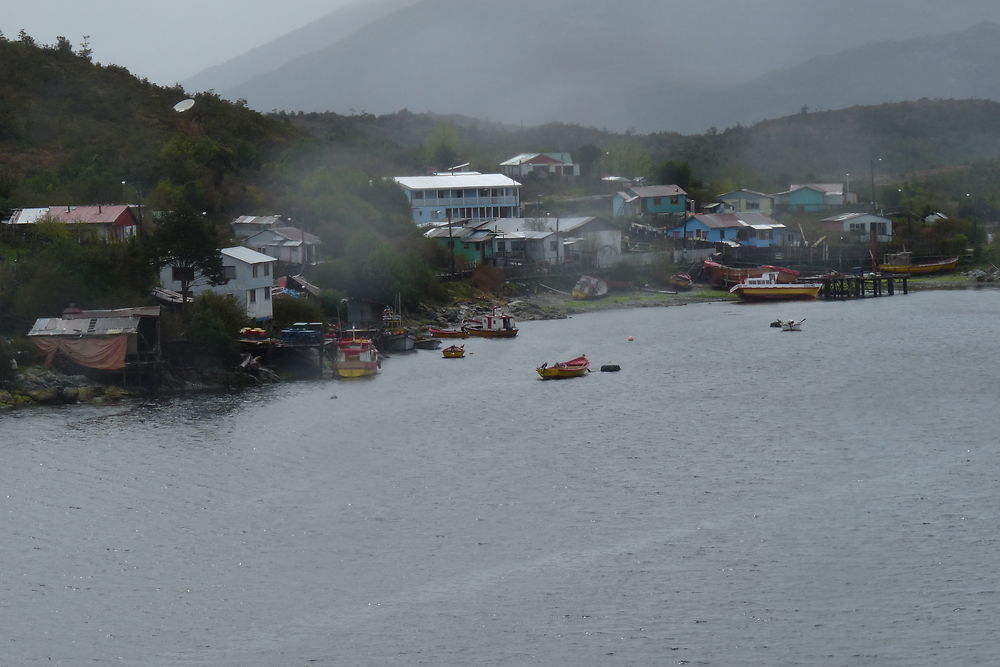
(451, 244)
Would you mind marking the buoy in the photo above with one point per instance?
(610, 368)
(630, 339)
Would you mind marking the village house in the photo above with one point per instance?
(745, 229)
(246, 226)
(591, 241)
(857, 227)
(664, 201)
(470, 243)
(458, 195)
(812, 197)
(557, 166)
(288, 245)
(249, 279)
(743, 200)
(106, 223)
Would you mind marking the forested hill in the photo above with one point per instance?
(71, 131)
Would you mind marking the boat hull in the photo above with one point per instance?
(918, 269)
(568, 369)
(453, 352)
(447, 333)
(721, 275)
(490, 333)
(781, 292)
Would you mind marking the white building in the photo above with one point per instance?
(290, 245)
(551, 240)
(250, 278)
(857, 227)
(459, 195)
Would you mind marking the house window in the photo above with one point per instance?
(228, 273)
(675, 199)
(753, 205)
(458, 194)
(442, 194)
(484, 192)
(182, 273)
(857, 227)
(419, 194)
(267, 269)
(253, 295)
(254, 270)
(657, 201)
(267, 293)
(552, 245)
(880, 228)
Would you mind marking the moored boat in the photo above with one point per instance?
(355, 355)
(767, 288)
(453, 352)
(564, 369)
(446, 333)
(681, 282)
(589, 287)
(721, 275)
(902, 262)
(496, 324)
(426, 343)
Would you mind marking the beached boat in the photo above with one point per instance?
(767, 288)
(496, 324)
(453, 352)
(564, 369)
(681, 282)
(355, 356)
(589, 287)
(902, 262)
(721, 275)
(446, 333)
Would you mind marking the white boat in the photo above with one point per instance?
(768, 288)
(788, 325)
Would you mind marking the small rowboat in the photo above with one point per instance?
(446, 333)
(453, 352)
(681, 282)
(564, 369)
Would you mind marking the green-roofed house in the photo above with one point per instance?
(541, 165)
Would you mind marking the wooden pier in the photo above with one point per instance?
(858, 287)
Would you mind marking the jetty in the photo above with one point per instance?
(862, 285)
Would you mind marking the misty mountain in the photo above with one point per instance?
(648, 65)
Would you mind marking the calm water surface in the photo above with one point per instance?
(736, 495)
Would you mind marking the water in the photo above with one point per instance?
(736, 495)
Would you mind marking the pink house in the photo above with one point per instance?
(108, 223)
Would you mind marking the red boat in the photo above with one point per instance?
(446, 333)
(721, 275)
(495, 325)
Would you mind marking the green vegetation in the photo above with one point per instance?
(74, 132)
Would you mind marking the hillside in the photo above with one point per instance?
(643, 65)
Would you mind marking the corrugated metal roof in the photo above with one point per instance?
(449, 181)
(87, 214)
(247, 255)
(93, 326)
(657, 190)
(258, 220)
(28, 216)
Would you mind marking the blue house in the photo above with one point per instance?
(747, 229)
(650, 200)
(812, 197)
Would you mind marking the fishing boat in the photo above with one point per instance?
(437, 332)
(902, 262)
(589, 287)
(496, 324)
(394, 337)
(768, 288)
(721, 275)
(681, 282)
(453, 352)
(564, 369)
(355, 355)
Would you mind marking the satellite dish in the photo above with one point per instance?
(183, 105)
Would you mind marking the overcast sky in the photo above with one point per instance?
(165, 41)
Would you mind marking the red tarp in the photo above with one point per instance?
(103, 352)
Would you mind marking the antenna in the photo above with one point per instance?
(458, 166)
(183, 105)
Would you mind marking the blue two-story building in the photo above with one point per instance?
(650, 200)
(748, 229)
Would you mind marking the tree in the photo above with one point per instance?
(189, 244)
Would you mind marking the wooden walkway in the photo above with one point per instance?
(857, 287)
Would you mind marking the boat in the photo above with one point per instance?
(681, 282)
(788, 325)
(564, 369)
(589, 287)
(426, 343)
(496, 324)
(355, 355)
(768, 288)
(453, 352)
(437, 332)
(902, 262)
(721, 275)
(394, 338)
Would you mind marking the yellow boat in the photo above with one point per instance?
(902, 262)
(767, 288)
(564, 369)
(453, 352)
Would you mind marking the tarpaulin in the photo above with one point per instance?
(103, 352)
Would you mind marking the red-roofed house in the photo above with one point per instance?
(108, 223)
